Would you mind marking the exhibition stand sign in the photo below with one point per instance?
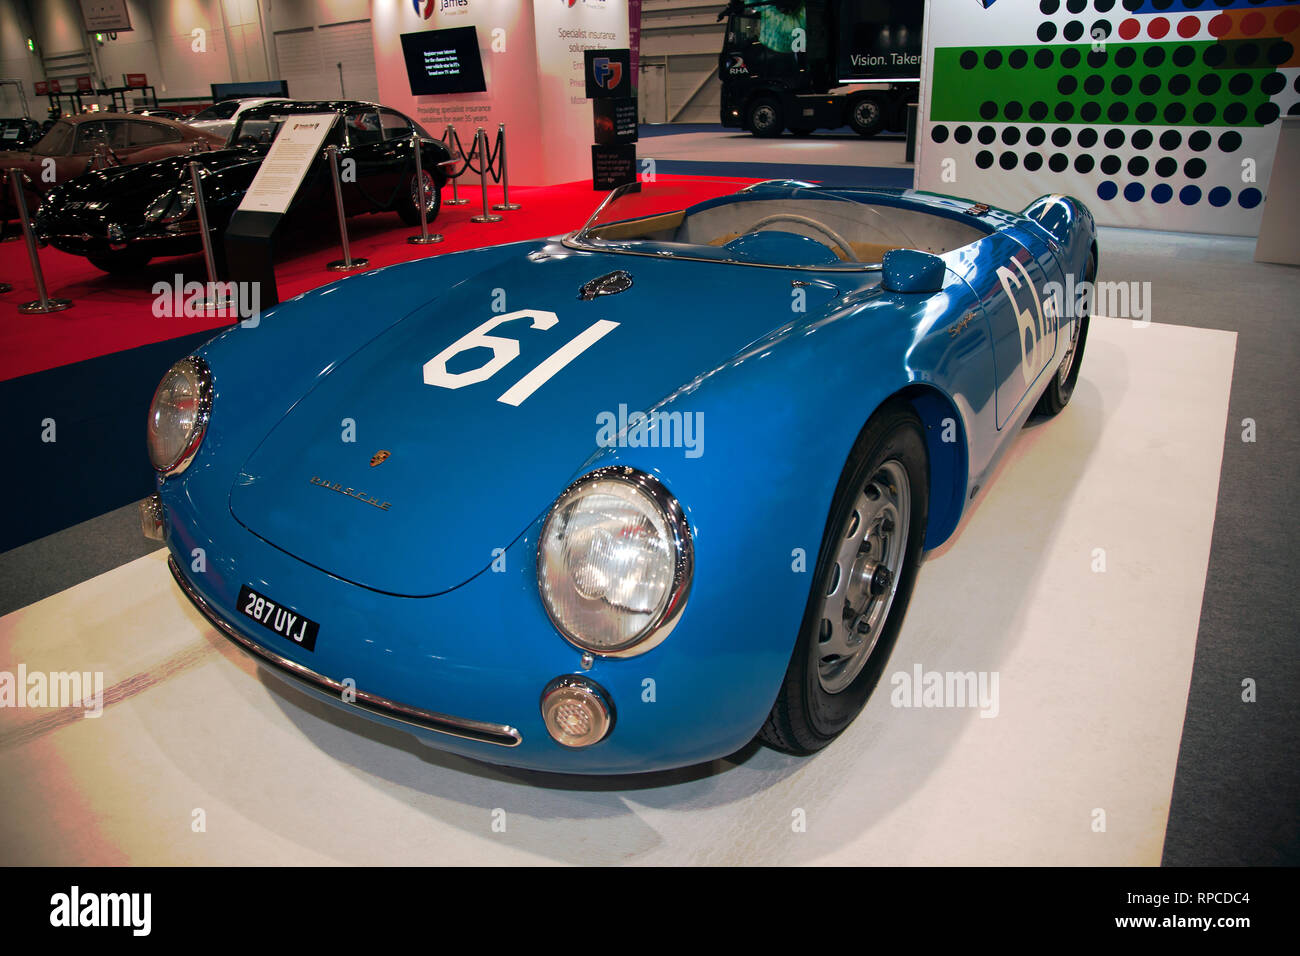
(1155, 116)
(522, 65)
(251, 233)
(608, 81)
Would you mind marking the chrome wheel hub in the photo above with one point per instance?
(869, 559)
(429, 191)
(1067, 363)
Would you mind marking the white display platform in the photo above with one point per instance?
(1093, 672)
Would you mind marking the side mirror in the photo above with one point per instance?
(912, 271)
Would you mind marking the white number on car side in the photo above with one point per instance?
(1034, 349)
(506, 350)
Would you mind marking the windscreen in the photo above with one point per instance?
(56, 142)
(783, 224)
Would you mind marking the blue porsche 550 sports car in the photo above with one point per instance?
(624, 500)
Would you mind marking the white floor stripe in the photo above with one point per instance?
(1093, 670)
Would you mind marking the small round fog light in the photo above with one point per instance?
(576, 711)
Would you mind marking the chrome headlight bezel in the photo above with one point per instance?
(670, 510)
(170, 206)
(158, 207)
(198, 369)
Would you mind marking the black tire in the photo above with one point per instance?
(1057, 394)
(766, 118)
(120, 262)
(806, 715)
(406, 207)
(867, 116)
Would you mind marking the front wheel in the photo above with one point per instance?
(407, 207)
(765, 118)
(862, 584)
(866, 117)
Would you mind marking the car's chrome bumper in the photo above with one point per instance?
(502, 735)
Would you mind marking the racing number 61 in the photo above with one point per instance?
(1034, 348)
(506, 350)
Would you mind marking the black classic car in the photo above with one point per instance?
(120, 218)
(19, 132)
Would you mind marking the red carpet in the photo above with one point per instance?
(114, 313)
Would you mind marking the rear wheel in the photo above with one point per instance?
(120, 262)
(1057, 394)
(407, 207)
(866, 116)
(865, 572)
(765, 117)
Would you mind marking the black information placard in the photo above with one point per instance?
(615, 120)
(612, 166)
(608, 72)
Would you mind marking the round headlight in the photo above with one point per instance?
(170, 206)
(178, 416)
(615, 562)
(155, 210)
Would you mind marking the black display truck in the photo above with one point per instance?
(804, 65)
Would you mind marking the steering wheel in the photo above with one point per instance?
(835, 238)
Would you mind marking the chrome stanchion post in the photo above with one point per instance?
(44, 303)
(480, 140)
(505, 202)
(212, 299)
(422, 201)
(448, 135)
(347, 263)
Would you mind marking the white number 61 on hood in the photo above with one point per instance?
(506, 350)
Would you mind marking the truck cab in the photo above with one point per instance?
(791, 64)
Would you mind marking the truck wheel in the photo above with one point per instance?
(866, 116)
(765, 117)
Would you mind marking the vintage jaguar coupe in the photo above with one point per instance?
(625, 500)
(120, 219)
(75, 145)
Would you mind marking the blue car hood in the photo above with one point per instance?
(466, 474)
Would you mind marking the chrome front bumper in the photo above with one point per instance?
(502, 735)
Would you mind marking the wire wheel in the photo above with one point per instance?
(862, 584)
(430, 192)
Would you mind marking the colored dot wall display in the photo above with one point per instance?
(1156, 113)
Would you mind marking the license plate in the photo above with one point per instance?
(275, 617)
